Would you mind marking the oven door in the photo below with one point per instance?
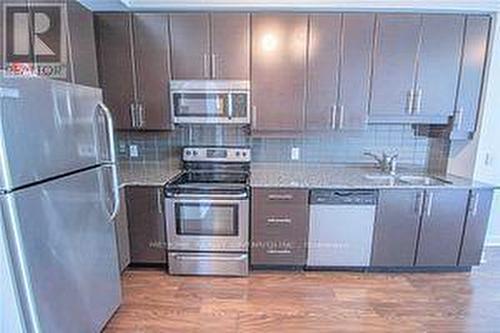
(205, 224)
(201, 107)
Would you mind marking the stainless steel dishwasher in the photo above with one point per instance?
(341, 228)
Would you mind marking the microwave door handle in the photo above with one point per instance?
(230, 106)
(109, 129)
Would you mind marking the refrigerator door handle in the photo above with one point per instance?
(109, 129)
(116, 192)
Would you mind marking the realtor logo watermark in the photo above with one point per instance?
(34, 39)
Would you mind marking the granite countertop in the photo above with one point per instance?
(147, 173)
(293, 176)
(337, 176)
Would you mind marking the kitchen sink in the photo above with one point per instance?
(423, 180)
(379, 177)
(407, 179)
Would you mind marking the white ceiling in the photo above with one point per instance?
(409, 5)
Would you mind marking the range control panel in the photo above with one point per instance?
(216, 154)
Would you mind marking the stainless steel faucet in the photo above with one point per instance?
(386, 162)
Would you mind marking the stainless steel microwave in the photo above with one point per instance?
(210, 101)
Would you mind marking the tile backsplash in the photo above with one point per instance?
(337, 147)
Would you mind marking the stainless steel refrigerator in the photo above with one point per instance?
(58, 198)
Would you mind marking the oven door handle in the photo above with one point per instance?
(209, 196)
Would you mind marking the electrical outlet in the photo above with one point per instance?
(133, 151)
(122, 147)
(295, 154)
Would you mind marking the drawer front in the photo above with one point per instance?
(225, 264)
(271, 254)
(280, 222)
(266, 196)
(279, 226)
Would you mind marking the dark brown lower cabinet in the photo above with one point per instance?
(280, 220)
(476, 225)
(442, 227)
(146, 225)
(396, 228)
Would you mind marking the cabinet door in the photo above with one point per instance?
(476, 225)
(323, 70)
(146, 225)
(230, 46)
(153, 72)
(396, 228)
(278, 71)
(122, 238)
(438, 67)
(190, 35)
(442, 227)
(355, 67)
(82, 40)
(395, 53)
(115, 66)
(471, 77)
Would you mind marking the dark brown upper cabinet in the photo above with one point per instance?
(474, 55)
(339, 62)
(415, 68)
(151, 55)
(210, 46)
(279, 47)
(115, 67)
(82, 43)
(134, 69)
(190, 36)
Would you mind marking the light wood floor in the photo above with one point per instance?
(313, 302)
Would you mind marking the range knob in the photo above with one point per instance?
(188, 152)
(237, 153)
(244, 154)
(195, 153)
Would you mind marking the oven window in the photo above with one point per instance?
(200, 105)
(206, 219)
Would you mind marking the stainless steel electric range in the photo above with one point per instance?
(207, 213)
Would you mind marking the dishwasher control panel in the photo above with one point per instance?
(343, 197)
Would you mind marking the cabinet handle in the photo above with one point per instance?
(341, 118)
(280, 197)
(419, 203)
(278, 251)
(254, 116)
(279, 220)
(333, 111)
(459, 117)
(409, 101)
(141, 115)
(159, 201)
(475, 204)
(133, 116)
(206, 70)
(214, 65)
(430, 198)
(418, 101)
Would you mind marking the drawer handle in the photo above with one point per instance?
(280, 197)
(278, 251)
(279, 221)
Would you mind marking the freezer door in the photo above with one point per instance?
(62, 241)
(48, 128)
